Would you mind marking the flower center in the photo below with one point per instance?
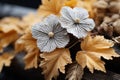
(50, 34)
(77, 20)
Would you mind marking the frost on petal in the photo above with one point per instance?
(77, 31)
(40, 30)
(61, 39)
(81, 13)
(66, 18)
(67, 13)
(87, 24)
(50, 46)
(52, 20)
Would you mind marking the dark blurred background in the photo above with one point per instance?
(18, 8)
(25, 3)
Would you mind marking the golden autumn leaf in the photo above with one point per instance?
(28, 44)
(31, 19)
(10, 23)
(9, 31)
(54, 6)
(31, 59)
(7, 38)
(71, 3)
(53, 61)
(50, 7)
(5, 60)
(92, 50)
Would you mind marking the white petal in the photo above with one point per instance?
(87, 24)
(38, 34)
(57, 28)
(77, 31)
(52, 20)
(67, 16)
(67, 13)
(61, 39)
(42, 27)
(65, 23)
(80, 13)
(42, 42)
(47, 46)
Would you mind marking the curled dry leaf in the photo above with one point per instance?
(31, 59)
(27, 43)
(53, 61)
(92, 50)
(50, 7)
(11, 23)
(75, 72)
(30, 19)
(54, 6)
(9, 31)
(5, 60)
(7, 38)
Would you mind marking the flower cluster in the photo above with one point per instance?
(52, 32)
(62, 32)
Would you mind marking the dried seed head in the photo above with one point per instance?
(115, 16)
(51, 34)
(104, 26)
(114, 6)
(116, 25)
(101, 4)
(107, 19)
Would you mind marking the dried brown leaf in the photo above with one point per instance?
(75, 72)
(11, 23)
(92, 50)
(53, 61)
(28, 44)
(31, 59)
(9, 31)
(54, 6)
(7, 38)
(5, 60)
(30, 19)
(50, 7)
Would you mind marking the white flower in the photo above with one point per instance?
(49, 34)
(76, 21)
